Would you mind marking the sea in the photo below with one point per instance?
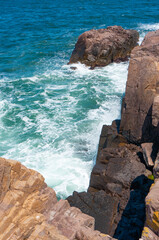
(50, 115)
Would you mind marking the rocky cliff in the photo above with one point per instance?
(103, 46)
(140, 114)
(122, 197)
(29, 209)
(128, 158)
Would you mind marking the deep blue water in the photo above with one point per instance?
(50, 115)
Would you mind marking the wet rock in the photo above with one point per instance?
(101, 47)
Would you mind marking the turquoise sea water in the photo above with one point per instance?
(50, 115)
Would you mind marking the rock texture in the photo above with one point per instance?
(118, 186)
(29, 209)
(128, 156)
(140, 115)
(151, 229)
(104, 46)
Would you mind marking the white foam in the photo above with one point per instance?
(65, 125)
(149, 27)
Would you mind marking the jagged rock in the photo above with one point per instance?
(103, 46)
(110, 138)
(151, 229)
(111, 180)
(147, 149)
(139, 120)
(101, 206)
(29, 209)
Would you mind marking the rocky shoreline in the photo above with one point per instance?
(127, 159)
(122, 201)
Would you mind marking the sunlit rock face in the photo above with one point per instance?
(29, 209)
(103, 46)
(139, 120)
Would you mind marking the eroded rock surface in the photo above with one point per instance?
(29, 209)
(128, 155)
(104, 46)
(118, 186)
(139, 120)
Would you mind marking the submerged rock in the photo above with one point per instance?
(101, 47)
(29, 209)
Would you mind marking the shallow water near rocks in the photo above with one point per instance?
(50, 115)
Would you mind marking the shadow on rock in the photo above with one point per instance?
(133, 217)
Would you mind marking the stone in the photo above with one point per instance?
(98, 205)
(148, 234)
(110, 137)
(29, 209)
(103, 46)
(151, 228)
(139, 112)
(147, 149)
(155, 111)
(156, 168)
(108, 196)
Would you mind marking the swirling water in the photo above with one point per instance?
(51, 116)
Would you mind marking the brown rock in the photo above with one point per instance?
(29, 209)
(103, 46)
(118, 169)
(156, 168)
(155, 111)
(139, 118)
(101, 206)
(147, 149)
(151, 229)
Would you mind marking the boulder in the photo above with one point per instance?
(29, 209)
(139, 119)
(103, 46)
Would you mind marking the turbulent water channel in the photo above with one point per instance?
(50, 115)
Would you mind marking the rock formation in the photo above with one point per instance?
(151, 228)
(126, 165)
(29, 209)
(118, 186)
(140, 114)
(128, 158)
(104, 46)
